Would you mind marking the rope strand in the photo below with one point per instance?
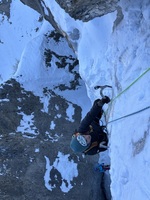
(131, 84)
(129, 114)
(124, 92)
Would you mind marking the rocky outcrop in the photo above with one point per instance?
(86, 10)
(33, 132)
(23, 149)
(5, 7)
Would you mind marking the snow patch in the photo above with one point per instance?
(70, 112)
(61, 162)
(27, 125)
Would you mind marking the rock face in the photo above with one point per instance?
(5, 7)
(86, 10)
(34, 139)
(23, 163)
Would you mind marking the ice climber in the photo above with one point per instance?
(90, 137)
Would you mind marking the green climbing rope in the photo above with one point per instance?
(131, 84)
(124, 92)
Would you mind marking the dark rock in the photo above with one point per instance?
(23, 168)
(5, 7)
(86, 10)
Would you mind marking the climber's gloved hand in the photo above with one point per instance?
(101, 102)
(105, 99)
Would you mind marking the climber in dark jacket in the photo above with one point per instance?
(90, 138)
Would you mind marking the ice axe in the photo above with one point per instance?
(102, 88)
